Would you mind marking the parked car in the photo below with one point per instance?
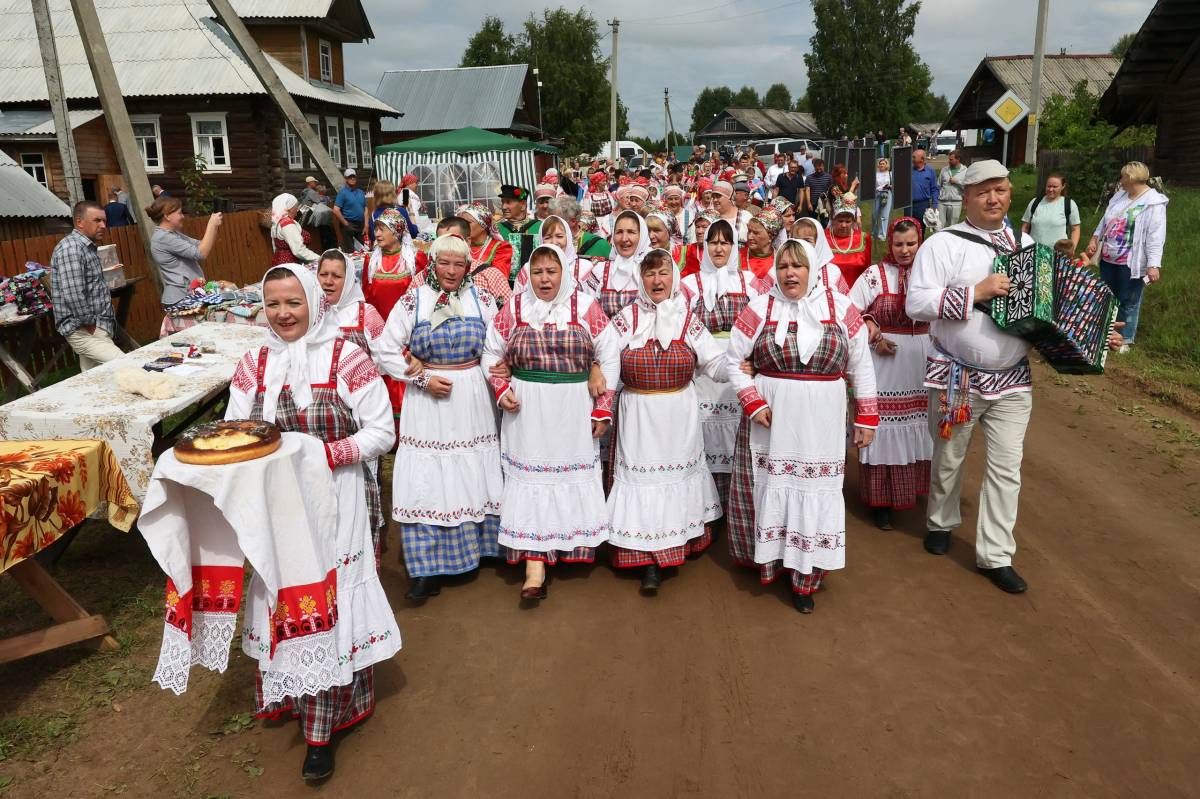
(945, 142)
(632, 153)
(767, 149)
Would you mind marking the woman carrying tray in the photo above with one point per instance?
(308, 379)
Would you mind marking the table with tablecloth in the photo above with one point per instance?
(90, 405)
(47, 488)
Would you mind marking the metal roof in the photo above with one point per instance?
(39, 121)
(22, 196)
(449, 99)
(1060, 73)
(772, 122)
(159, 48)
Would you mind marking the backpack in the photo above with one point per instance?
(1066, 212)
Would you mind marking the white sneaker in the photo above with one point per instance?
(1124, 348)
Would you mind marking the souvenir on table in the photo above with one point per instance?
(1028, 310)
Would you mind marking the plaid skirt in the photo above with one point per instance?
(891, 486)
(550, 557)
(326, 712)
(430, 550)
(622, 558)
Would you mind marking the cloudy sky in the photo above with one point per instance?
(744, 42)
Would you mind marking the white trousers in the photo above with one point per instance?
(948, 213)
(1004, 421)
(93, 349)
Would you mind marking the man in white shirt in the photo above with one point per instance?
(953, 272)
(806, 163)
(775, 170)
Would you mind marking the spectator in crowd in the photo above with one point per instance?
(882, 212)
(290, 243)
(816, 191)
(790, 185)
(807, 162)
(1130, 239)
(949, 193)
(1054, 216)
(350, 209)
(83, 311)
(543, 193)
(322, 214)
(385, 196)
(924, 188)
(312, 194)
(177, 255)
(159, 191)
(116, 213)
(775, 171)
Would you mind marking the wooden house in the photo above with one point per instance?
(189, 92)
(1159, 84)
(736, 127)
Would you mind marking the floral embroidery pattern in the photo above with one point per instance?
(364, 645)
(447, 518)
(791, 467)
(657, 468)
(448, 446)
(805, 542)
(562, 535)
(691, 531)
(548, 468)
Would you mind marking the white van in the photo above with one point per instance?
(632, 152)
(946, 142)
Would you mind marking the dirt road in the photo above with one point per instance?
(915, 677)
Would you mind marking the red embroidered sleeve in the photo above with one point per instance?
(866, 412)
(852, 319)
(594, 317)
(955, 304)
(373, 322)
(602, 409)
(244, 376)
(751, 401)
(747, 322)
(356, 369)
(505, 322)
(342, 452)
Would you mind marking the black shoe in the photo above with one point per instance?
(937, 542)
(318, 763)
(423, 588)
(651, 579)
(1005, 578)
(882, 518)
(803, 602)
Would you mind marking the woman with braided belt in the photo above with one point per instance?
(549, 336)
(308, 379)
(717, 293)
(662, 497)
(894, 470)
(446, 483)
(786, 511)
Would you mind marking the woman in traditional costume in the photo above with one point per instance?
(356, 318)
(661, 228)
(549, 336)
(717, 293)
(446, 482)
(759, 254)
(389, 269)
(808, 229)
(556, 231)
(308, 379)
(851, 246)
(663, 496)
(615, 282)
(695, 251)
(491, 256)
(786, 511)
(290, 243)
(894, 470)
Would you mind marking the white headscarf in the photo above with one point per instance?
(720, 280)
(807, 311)
(352, 292)
(279, 211)
(627, 268)
(824, 251)
(569, 252)
(555, 311)
(664, 320)
(287, 362)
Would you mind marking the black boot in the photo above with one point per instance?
(318, 763)
(882, 518)
(423, 588)
(803, 602)
(651, 579)
(1005, 578)
(937, 542)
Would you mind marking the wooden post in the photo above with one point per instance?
(58, 103)
(270, 81)
(119, 127)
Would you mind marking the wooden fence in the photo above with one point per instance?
(241, 255)
(1069, 161)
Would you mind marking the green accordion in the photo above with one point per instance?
(1063, 310)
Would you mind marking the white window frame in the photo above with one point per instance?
(729, 124)
(351, 139)
(325, 59)
(333, 135)
(368, 153)
(32, 169)
(219, 116)
(314, 122)
(149, 119)
(293, 152)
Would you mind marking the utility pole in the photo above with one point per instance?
(666, 120)
(270, 81)
(58, 103)
(119, 127)
(1035, 95)
(612, 106)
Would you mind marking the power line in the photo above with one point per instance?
(684, 13)
(724, 19)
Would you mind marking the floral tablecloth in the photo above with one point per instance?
(90, 406)
(48, 487)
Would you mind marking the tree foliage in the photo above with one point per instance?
(863, 74)
(1122, 46)
(778, 97)
(711, 101)
(746, 97)
(565, 46)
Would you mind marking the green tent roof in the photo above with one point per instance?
(465, 140)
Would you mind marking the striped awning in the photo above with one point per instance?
(447, 180)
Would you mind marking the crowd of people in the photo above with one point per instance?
(645, 368)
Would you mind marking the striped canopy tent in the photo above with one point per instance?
(460, 166)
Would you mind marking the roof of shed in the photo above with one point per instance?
(481, 97)
(22, 196)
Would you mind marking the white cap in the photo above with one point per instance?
(987, 169)
(310, 179)
(349, 173)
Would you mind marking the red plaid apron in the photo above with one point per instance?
(720, 319)
(888, 308)
(281, 253)
(612, 302)
(357, 335)
(827, 363)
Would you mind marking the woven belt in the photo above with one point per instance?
(463, 365)
(914, 330)
(538, 376)
(633, 390)
(799, 375)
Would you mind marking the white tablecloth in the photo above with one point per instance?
(89, 405)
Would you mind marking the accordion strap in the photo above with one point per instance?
(962, 234)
